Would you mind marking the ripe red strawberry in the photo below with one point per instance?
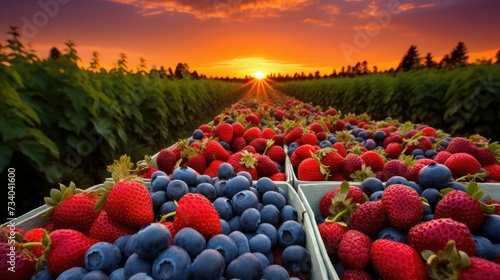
(244, 161)
(224, 131)
(67, 250)
(434, 234)
(309, 138)
(418, 141)
(411, 173)
(196, 211)
(260, 144)
(354, 249)
(293, 135)
(145, 169)
(352, 163)
(331, 234)
(425, 161)
(35, 235)
(316, 127)
(462, 145)
(104, 229)
(205, 128)
(213, 167)
(339, 146)
(5, 232)
(331, 112)
(331, 159)
(166, 160)
(373, 160)
(392, 138)
(276, 153)
(279, 140)
(238, 129)
(252, 133)
(253, 118)
(237, 144)
(280, 177)
(369, 218)
(353, 274)
(493, 172)
(496, 204)
(70, 209)
(15, 264)
(442, 156)
(310, 169)
(461, 164)
(268, 133)
(402, 205)
(463, 207)
(266, 166)
(429, 131)
(393, 150)
(214, 150)
(394, 167)
(395, 261)
(305, 151)
(197, 162)
(354, 193)
(480, 268)
(485, 156)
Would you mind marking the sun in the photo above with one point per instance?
(259, 75)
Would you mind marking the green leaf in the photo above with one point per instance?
(34, 151)
(44, 141)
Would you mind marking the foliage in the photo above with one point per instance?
(462, 101)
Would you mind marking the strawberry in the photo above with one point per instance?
(418, 141)
(331, 112)
(331, 159)
(480, 268)
(394, 167)
(442, 156)
(339, 125)
(244, 161)
(305, 151)
(252, 133)
(369, 218)
(276, 153)
(309, 138)
(462, 145)
(462, 206)
(462, 164)
(67, 249)
(425, 161)
(352, 163)
(253, 118)
(331, 234)
(373, 160)
(268, 133)
(280, 177)
(402, 205)
(145, 169)
(266, 166)
(71, 208)
(339, 146)
(260, 144)
(196, 211)
(205, 128)
(354, 249)
(392, 138)
(35, 235)
(238, 129)
(496, 204)
(197, 162)
(279, 140)
(434, 234)
(104, 229)
(224, 131)
(353, 274)
(485, 156)
(293, 135)
(214, 150)
(393, 150)
(353, 193)
(493, 171)
(15, 263)
(429, 131)
(316, 127)
(310, 169)
(213, 167)
(411, 173)
(237, 144)
(166, 160)
(395, 261)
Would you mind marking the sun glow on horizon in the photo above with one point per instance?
(259, 75)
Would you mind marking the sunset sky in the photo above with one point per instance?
(239, 37)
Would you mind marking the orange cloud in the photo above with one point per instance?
(318, 22)
(238, 10)
(331, 9)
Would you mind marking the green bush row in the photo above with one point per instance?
(462, 101)
(59, 122)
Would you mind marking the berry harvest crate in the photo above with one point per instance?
(34, 219)
(311, 193)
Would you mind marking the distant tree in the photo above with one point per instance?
(195, 75)
(356, 70)
(429, 62)
(170, 73)
(310, 76)
(317, 75)
(142, 65)
(122, 62)
(410, 60)
(94, 61)
(334, 74)
(364, 67)
(458, 57)
(54, 53)
(497, 56)
(180, 70)
(445, 62)
(162, 72)
(375, 69)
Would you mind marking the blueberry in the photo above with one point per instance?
(288, 213)
(246, 174)
(168, 207)
(220, 187)
(225, 228)
(484, 248)
(427, 217)
(264, 261)
(296, 259)
(293, 145)
(418, 152)
(158, 198)
(396, 180)
(225, 245)
(121, 243)
(270, 214)
(177, 189)
(156, 174)
(456, 186)
(275, 272)
(291, 233)
(250, 219)
(415, 186)
(103, 256)
(339, 268)
(117, 274)
(256, 192)
(417, 157)
(376, 196)
(160, 183)
(236, 184)
(379, 136)
(319, 219)
(325, 144)
(198, 134)
(332, 139)
(369, 144)
(42, 274)
(207, 190)
(434, 175)
(172, 263)
(151, 240)
(204, 179)
(186, 174)
(241, 242)
(130, 246)
(432, 195)
(140, 276)
(96, 275)
(264, 185)
(191, 241)
(371, 185)
(274, 198)
(234, 223)
(225, 171)
(224, 207)
(209, 264)
(243, 200)
(246, 266)
(490, 228)
(430, 154)
(392, 234)
(260, 243)
(73, 273)
(270, 231)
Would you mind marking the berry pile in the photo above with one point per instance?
(403, 230)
